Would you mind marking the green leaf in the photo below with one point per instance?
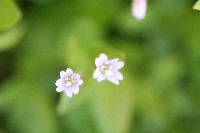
(197, 5)
(112, 105)
(9, 38)
(9, 14)
(28, 109)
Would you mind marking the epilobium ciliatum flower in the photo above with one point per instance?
(139, 8)
(69, 82)
(108, 69)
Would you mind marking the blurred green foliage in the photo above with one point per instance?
(9, 14)
(197, 5)
(160, 92)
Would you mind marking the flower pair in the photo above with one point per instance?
(106, 69)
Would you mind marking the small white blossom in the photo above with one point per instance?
(69, 82)
(108, 69)
(139, 8)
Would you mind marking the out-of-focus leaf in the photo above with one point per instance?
(197, 5)
(43, 2)
(81, 119)
(29, 110)
(9, 14)
(112, 105)
(9, 38)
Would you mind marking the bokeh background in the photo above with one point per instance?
(161, 89)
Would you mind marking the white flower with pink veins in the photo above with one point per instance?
(69, 82)
(108, 69)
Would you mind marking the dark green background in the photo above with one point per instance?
(161, 89)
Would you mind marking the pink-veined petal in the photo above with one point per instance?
(98, 75)
(62, 74)
(113, 80)
(119, 65)
(80, 82)
(100, 60)
(59, 82)
(68, 92)
(76, 76)
(59, 89)
(113, 61)
(76, 90)
(118, 75)
(69, 72)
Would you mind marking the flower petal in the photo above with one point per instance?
(80, 82)
(113, 80)
(118, 75)
(76, 76)
(68, 92)
(100, 60)
(59, 89)
(76, 90)
(62, 74)
(119, 65)
(139, 8)
(116, 64)
(69, 72)
(98, 75)
(59, 82)
(113, 61)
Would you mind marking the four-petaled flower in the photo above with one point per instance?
(69, 82)
(108, 69)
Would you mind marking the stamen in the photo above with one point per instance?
(69, 81)
(105, 69)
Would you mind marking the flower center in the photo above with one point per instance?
(105, 69)
(69, 81)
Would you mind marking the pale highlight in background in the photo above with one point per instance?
(139, 8)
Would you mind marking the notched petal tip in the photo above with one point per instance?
(80, 82)
(95, 74)
(101, 60)
(98, 75)
(113, 80)
(69, 71)
(102, 55)
(59, 89)
(120, 64)
(58, 82)
(62, 74)
(76, 91)
(119, 75)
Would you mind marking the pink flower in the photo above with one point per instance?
(108, 69)
(139, 9)
(69, 82)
